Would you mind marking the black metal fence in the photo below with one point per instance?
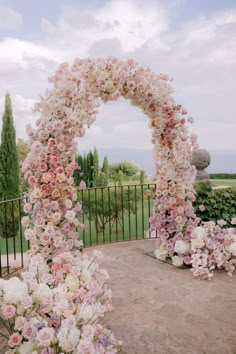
(110, 214)
(116, 213)
(12, 241)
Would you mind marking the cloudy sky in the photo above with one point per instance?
(193, 41)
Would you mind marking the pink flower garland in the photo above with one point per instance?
(66, 111)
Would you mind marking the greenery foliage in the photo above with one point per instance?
(9, 173)
(223, 175)
(22, 151)
(105, 170)
(128, 168)
(218, 204)
(142, 177)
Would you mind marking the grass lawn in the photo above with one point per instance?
(13, 244)
(224, 182)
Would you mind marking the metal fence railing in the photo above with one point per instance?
(110, 214)
(115, 213)
(12, 241)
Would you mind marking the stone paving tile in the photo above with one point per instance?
(164, 310)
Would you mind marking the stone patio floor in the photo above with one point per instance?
(165, 310)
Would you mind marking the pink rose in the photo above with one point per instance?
(8, 311)
(52, 142)
(29, 331)
(187, 260)
(32, 180)
(233, 221)
(43, 166)
(15, 339)
(82, 185)
(19, 323)
(201, 207)
(221, 222)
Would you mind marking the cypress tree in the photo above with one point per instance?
(96, 166)
(142, 177)
(85, 170)
(90, 169)
(105, 169)
(9, 173)
(78, 173)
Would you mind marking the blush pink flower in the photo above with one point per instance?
(221, 222)
(233, 221)
(201, 207)
(45, 336)
(82, 185)
(32, 180)
(15, 340)
(8, 311)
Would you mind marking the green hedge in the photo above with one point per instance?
(219, 204)
(223, 175)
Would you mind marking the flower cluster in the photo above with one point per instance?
(210, 247)
(55, 309)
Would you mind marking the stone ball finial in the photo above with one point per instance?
(201, 159)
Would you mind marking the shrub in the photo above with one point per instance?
(223, 175)
(218, 204)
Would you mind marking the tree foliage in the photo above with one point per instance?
(96, 166)
(128, 168)
(105, 170)
(9, 173)
(22, 151)
(142, 177)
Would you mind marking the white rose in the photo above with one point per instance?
(86, 276)
(232, 248)
(72, 282)
(230, 236)
(199, 232)
(86, 313)
(14, 290)
(161, 253)
(88, 332)
(181, 247)
(197, 243)
(25, 348)
(177, 261)
(45, 336)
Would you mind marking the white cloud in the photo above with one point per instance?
(200, 55)
(9, 18)
(131, 23)
(25, 67)
(215, 135)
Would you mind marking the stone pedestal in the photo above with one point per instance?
(201, 160)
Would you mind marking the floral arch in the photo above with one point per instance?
(71, 106)
(63, 294)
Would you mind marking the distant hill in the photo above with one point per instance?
(221, 161)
